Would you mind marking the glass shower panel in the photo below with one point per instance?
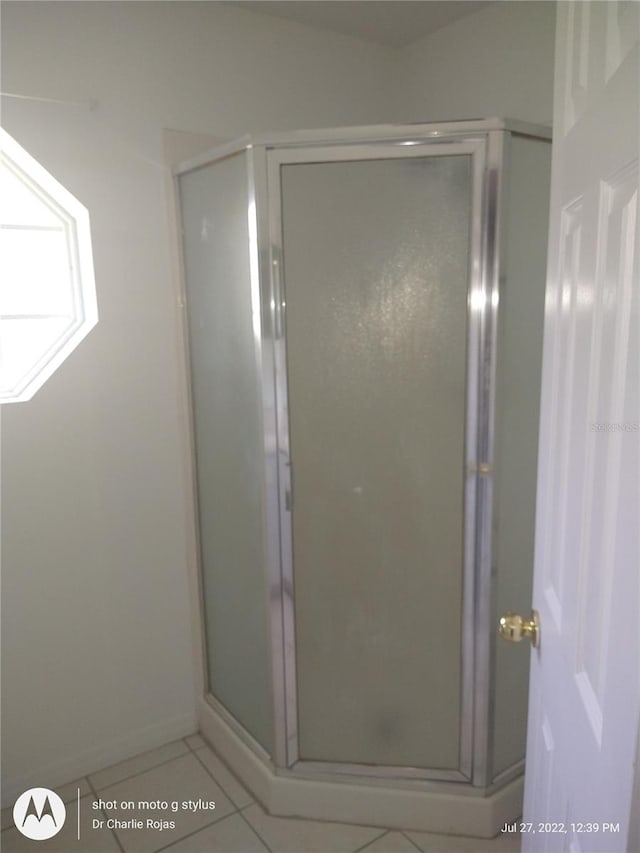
(227, 408)
(376, 276)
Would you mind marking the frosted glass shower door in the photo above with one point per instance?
(376, 276)
(229, 447)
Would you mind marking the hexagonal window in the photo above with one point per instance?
(47, 285)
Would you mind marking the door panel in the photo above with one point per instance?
(376, 278)
(585, 677)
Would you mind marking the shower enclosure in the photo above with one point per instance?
(364, 320)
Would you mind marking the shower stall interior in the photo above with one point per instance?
(364, 311)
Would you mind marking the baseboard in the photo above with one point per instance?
(440, 807)
(252, 766)
(91, 760)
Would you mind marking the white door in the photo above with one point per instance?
(585, 676)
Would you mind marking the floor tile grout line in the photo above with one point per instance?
(372, 841)
(140, 772)
(194, 832)
(322, 820)
(104, 814)
(161, 764)
(233, 775)
(12, 824)
(188, 745)
(218, 783)
(410, 840)
(253, 829)
(383, 831)
(221, 760)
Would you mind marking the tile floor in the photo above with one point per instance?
(189, 770)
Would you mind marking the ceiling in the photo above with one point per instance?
(393, 23)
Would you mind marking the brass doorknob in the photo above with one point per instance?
(514, 628)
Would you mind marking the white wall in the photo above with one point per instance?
(495, 62)
(97, 657)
